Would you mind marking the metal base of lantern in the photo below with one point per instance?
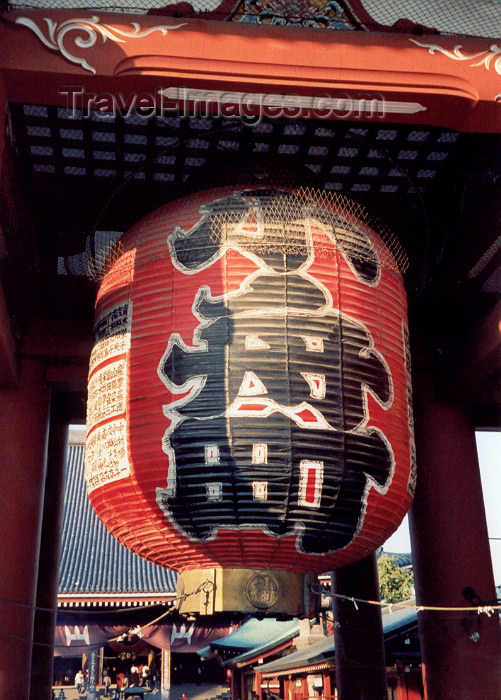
(270, 592)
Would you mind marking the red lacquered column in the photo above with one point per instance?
(65, 408)
(358, 633)
(451, 553)
(24, 414)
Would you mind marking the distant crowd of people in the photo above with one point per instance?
(137, 676)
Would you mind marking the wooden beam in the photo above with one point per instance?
(434, 80)
(63, 346)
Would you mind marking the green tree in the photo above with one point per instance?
(395, 583)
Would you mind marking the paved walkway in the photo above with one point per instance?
(204, 691)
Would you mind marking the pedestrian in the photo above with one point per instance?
(134, 676)
(125, 685)
(145, 676)
(106, 683)
(184, 696)
(79, 681)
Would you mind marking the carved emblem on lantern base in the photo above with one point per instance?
(272, 592)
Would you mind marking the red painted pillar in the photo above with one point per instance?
(24, 414)
(358, 633)
(23, 435)
(3, 114)
(65, 408)
(243, 687)
(8, 358)
(327, 686)
(258, 689)
(235, 684)
(451, 552)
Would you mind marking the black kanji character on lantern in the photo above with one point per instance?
(266, 208)
(272, 434)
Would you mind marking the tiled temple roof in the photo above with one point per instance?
(94, 566)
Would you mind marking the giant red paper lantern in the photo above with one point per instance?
(249, 389)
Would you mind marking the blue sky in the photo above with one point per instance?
(489, 455)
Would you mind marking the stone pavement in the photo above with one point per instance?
(204, 691)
